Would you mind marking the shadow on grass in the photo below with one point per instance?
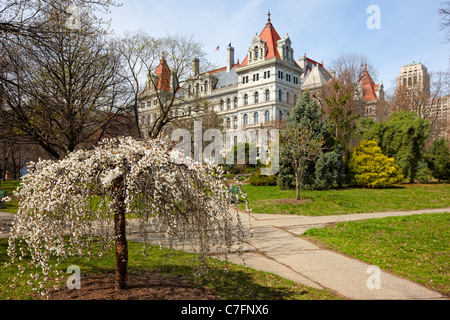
(232, 284)
(227, 280)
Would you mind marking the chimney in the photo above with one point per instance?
(174, 81)
(230, 57)
(196, 66)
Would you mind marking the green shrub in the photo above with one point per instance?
(256, 179)
(329, 171)
(371, 168)
(438, 159)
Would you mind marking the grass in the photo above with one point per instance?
(229, 281)
(349, 200)
(415, 247)
(9, 187)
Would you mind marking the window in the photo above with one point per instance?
(267, 95)
(288, 77)
(287, 97)
(267, 116)
(235, 102)
(235, 140)
(280, 115)
(235, 122)
(197, 88)
(245, 119)
(228, 123)
(266, 74)
(256, 117)
(256, 53)
(245, 80)
(280, 95)
(256, 77)
(256, 97)
(229, 104)
(246, 99)
(280, 74)
(206, 86)
(221, 105)
(295, 80)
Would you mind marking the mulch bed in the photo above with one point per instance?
(148, 285)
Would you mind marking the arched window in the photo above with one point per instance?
(245, 119)
(287, 97)
(267, 95)
(228, 123)
(256, 97)
(280, 95)
(256, 117)
(206, 86)
(197, 88)
(267, 116)
(280, 115)
(229, 104)
(246, 99)
(235, 140)
(235, 122)
(221, 105)
(256, 53)
(235, 104)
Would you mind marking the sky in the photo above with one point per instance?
(405, 31)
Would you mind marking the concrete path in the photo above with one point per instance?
(276, 247)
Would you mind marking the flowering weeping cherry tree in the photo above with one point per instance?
(67, 205)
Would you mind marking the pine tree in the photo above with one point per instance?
(307, 114)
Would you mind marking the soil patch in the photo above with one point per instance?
(147, 285)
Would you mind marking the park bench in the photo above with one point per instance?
(235, 194)
(2, 199)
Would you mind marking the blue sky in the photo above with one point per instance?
(323, 29)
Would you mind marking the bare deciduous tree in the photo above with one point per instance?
(61, 92)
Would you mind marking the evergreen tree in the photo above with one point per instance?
(371, 168)
(307, 114)
(403, 137)
(438, 159)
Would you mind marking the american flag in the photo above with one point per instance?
(216, 49)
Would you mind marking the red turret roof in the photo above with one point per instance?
(368, 86)
(270, 36)
(163, 74)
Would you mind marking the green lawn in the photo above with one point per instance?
(415, 247)
(9, 187)
(233, 282)
(349, 200)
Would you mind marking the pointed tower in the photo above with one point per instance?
(162, 75)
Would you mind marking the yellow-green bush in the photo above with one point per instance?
(256, 179)
(369, 167)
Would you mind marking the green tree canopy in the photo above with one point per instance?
(438, 159)
(402, 137)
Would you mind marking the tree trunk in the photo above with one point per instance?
(297, 186)
(120, 233)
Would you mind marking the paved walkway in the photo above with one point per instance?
(277, 247)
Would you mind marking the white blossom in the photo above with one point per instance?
(66, 205)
